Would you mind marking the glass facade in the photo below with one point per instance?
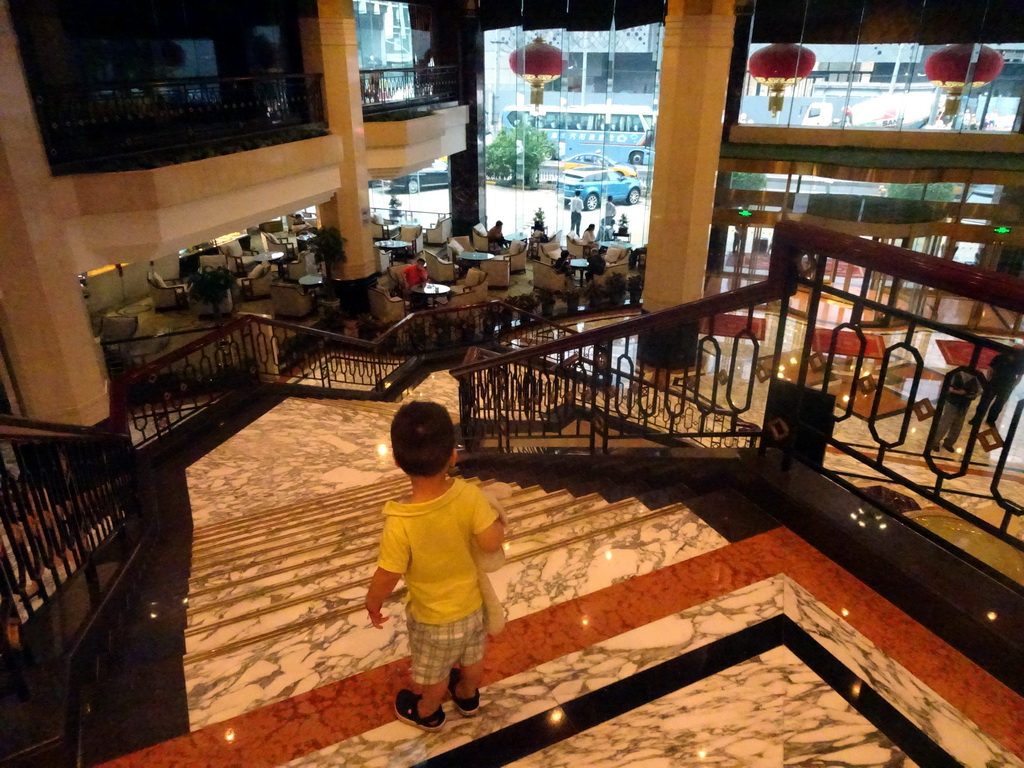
(594, 131)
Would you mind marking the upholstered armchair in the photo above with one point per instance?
(517, 256)
(414, 236)
(257, 284)
(478, 237)
(463, 243)
(546, 276)
(238, 259)
(440, 270)
(384, 307)
(380, 229)
(575, 247)
(473, 289)
(498, 271)
(615, 254)
(217, 259)
(166, 296)
(274, 244)
(293, 270)
(290, 300)
(440, 232)
(621, 268)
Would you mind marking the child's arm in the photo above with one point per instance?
(490, 538)
(382, 584)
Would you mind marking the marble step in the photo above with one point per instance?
(243, 676)
(345, 594)
(227, 585)
(330, 538)
(210, 534)
(284, 577)
(319, 516)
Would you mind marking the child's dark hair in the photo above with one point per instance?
(423, 438)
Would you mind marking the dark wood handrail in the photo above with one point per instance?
(16, 426)
(975, 283)
(682, 314)
(409, 319)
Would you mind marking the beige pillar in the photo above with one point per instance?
(694, 79)
(58, 373)
(329, 47)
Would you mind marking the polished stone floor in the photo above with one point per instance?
(753, 653)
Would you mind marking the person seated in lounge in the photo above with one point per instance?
(496, 241)
(561, 264)
(589, 241)
(595, 265)
(416, 274)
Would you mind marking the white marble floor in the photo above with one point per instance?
(766, 712)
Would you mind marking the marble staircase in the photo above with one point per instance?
(277, 594)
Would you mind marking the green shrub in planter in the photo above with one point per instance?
(615, 286)
(572, 301)
(547, 301)
(210, 287)
(635, 286)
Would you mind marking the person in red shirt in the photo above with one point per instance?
(416, 274)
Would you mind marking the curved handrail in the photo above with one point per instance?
(16, 426)
(975, 283)
(682, 314)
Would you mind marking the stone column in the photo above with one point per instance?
(55, 362)
(329, 47)
(468, 172)
(694, 81)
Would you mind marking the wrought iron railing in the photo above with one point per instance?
(65, 492)
(384, 89)
(845, 378)
(85, 124)
(153, 401)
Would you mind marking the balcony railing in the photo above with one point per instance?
(85, 125)
(386, 89)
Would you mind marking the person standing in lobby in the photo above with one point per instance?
(576, 213)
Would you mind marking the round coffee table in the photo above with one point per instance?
(428, 293)
(309, 280)
(579, 266)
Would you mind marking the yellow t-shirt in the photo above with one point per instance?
(429, 543)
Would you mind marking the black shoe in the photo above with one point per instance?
(950, 448)
(406, 703)
(467, 707)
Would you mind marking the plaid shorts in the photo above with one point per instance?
(436, 648)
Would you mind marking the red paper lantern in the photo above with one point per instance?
(950, 67)
(538, 63)
(778, 66)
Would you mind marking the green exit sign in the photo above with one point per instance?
(746, 213)
(1002, 230)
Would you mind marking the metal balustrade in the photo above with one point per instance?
(153, 401)
(384, 89)
(853, 380)
(65, 494)
(82, 125)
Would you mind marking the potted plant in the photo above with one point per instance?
(525, 302)
(615, 286)
(572, 301)
(595, 294)
(635, 286)
(210, 288)
(547, 301)
(329, 250)
(623, 226)
(538, 219)
(396, 208)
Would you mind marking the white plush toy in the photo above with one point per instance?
(489, 562)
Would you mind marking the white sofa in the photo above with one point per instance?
(546, 276)
(472, 289)
(384, 307)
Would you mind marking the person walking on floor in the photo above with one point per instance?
(1005, 372)
(964, 387)
(576, 213)
(428, 539)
